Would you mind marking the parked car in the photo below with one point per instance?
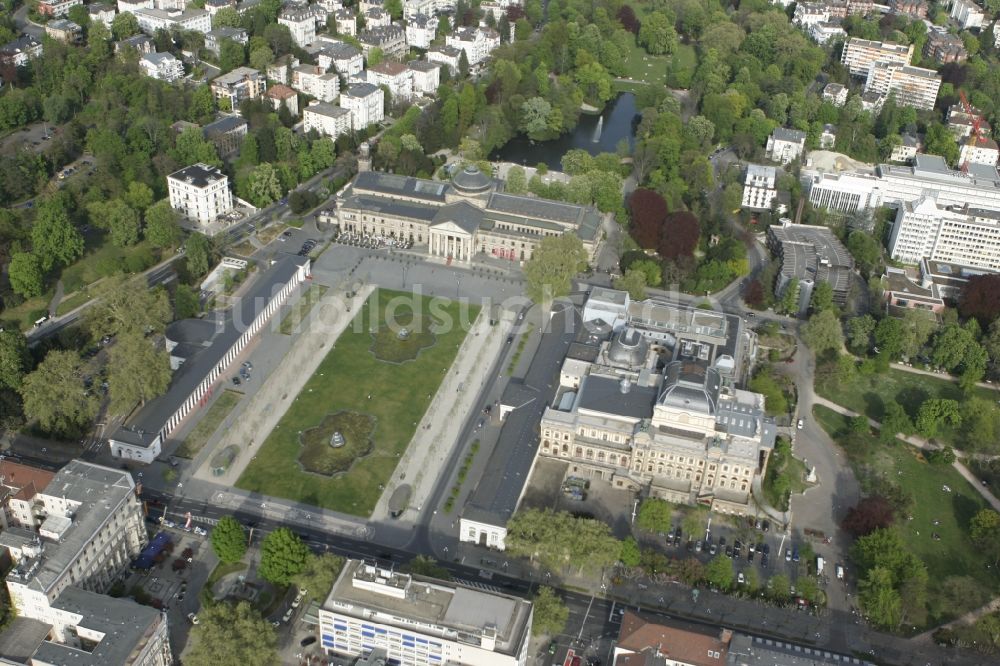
(800, 424)
(788, 554)
(169, 523)
(740, 578)
(193, 618)
(308, 640)
(200, 531)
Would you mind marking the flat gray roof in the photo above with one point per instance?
(602, 393)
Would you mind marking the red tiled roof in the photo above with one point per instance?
(280, 91)
(25, 480)
(688, 646)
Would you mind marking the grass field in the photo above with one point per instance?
(72, 302)
(27, 313)
(351, 378)
(935, 511)
(301, 308)
(208, 424)
(868, 394)
(103, 259)
(640, 66)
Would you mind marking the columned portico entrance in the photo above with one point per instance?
(449, 240)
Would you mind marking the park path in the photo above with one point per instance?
(56, 298)
(920, 443)
(438, 432)
(938, 375)
(326, 321)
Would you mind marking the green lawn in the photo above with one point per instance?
(27, 313)
(642, 67)
(102, 259)
(786, 475)
(300, 309)
(72, 302)
(868, 394)
(208, 424)
(954, 554)
(351, 378)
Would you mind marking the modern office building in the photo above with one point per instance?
(810, 254)
(759, 187)
(956, 235)
(860, 54)
(417, 621)
(200, 192)
(967, 14)
(912, 86)
(207, 354)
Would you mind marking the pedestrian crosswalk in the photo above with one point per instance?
(206, 521)
(479, 586)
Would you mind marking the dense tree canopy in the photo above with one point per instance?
(232, 635)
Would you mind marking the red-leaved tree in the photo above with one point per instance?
(981, 298)
(754, 294)
(649, 213)
(626, 16)
(679, 236)
(515, 12)
(872, 513)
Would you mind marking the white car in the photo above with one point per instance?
(193, 618)
(800, 424)
(740, 578)
(200, 531)
(169, 523)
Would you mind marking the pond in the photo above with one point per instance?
(594, 133)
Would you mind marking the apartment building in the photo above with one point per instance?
(907, 149)
(343, 58)
(281, 69)
(412, 620)
(376, 17)
(300, 21)
(395, 76)
(132, 5)
(200, 192)
(421, 31)
(912, 86)
(944, 47)
(642, 641)
(759, 189)
(213, 6)
(327, 119)
(91, 528)
(808, 14)
(785, 145)
(151, 20)
(19, 485)
(979, 150)
(162, 66)
(281, 95)
(100, 13)
(215, 37)
(56, 8)
(449, 56)
(825, 33)
(477, 43)
(314, 81)
(426, 76)
(912, 8)
(860, 54)
(967, 14)
(390, 39)
(428, 7)
(923, 229)
(962, 122)
(656, 407)
(366, 104)
(347, 22)
(19, 52)
(241, 84)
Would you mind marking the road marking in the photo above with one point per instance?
(585, 616)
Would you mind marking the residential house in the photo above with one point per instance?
(906, 150)
(141, 44)
(281, 69)
(912, 8)
(808, 14)
(227, 133)
(825, 33)
(57, 8)
(213, 6)
(281, 95)
(365, 5)
(396, 76)
(200, 192)
(64, 31)
(835, 93)
(162, 66)
(426, 76)
(872, 101)
(366, 104)
(101, 13)
(390, 39)
(477, 43)
(962, 122)
(828, 138)
(241, 84)
(327, 119)
(215, 37)
(151, 20)
(432, 7)
(449, 56)
(314, 81)
(785, 145)
(19, 484)
(967, 14)
(376, 17)
(347, 22)
(944, 47)
(18, 53)
(759, 187)
(978, 150)
(343, 58)
(300, 21)
(916, 87)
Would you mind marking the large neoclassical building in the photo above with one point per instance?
(458, 219)
(654, 405)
